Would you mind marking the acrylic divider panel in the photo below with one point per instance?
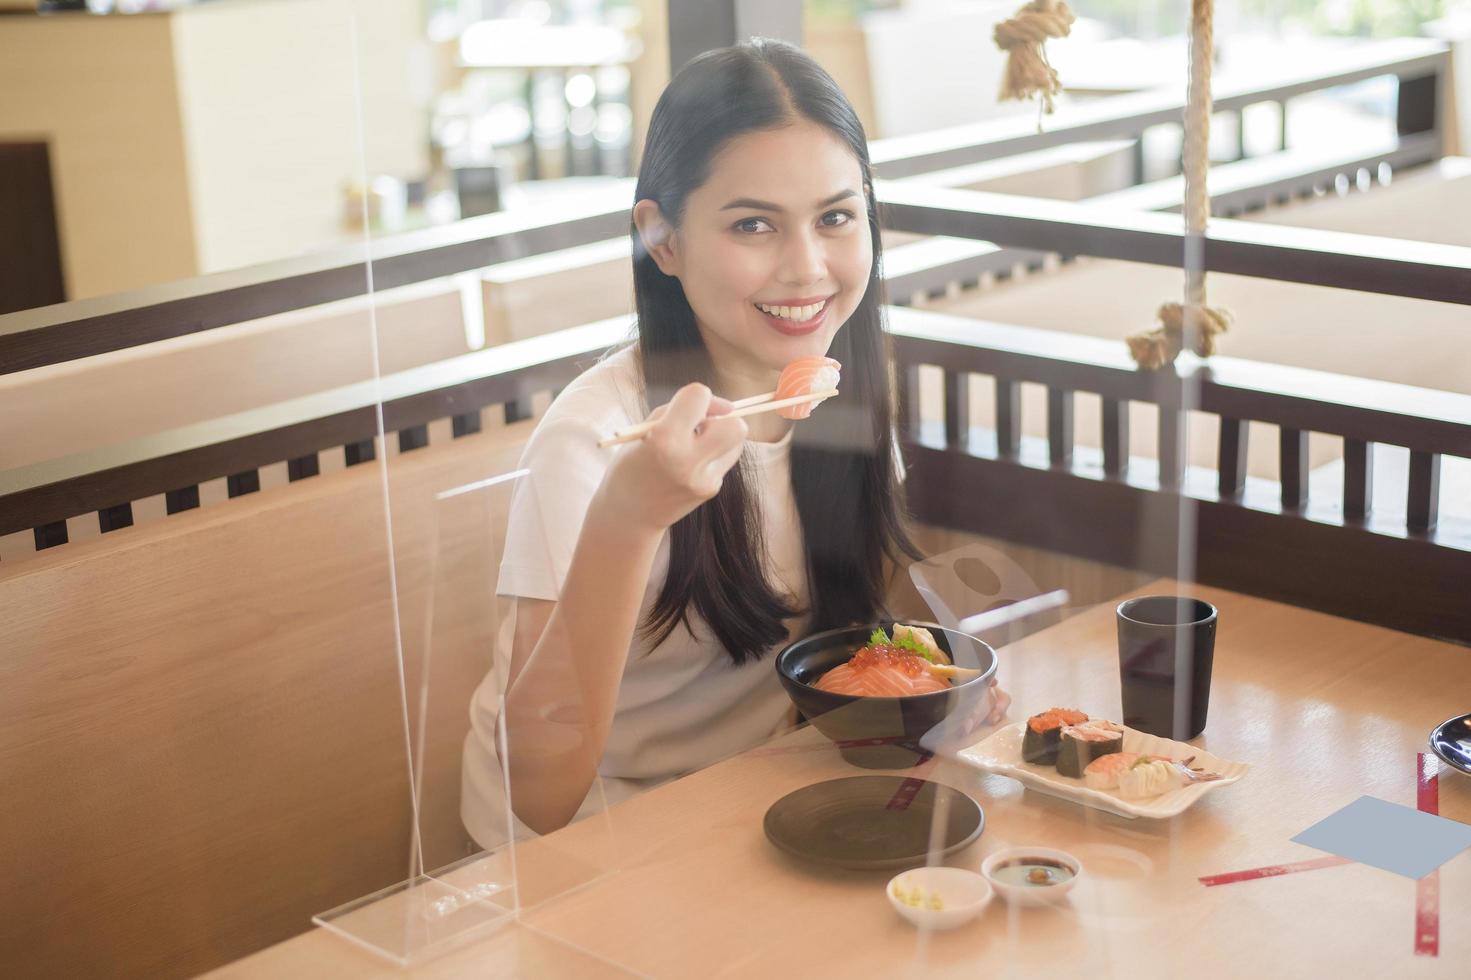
(471, 865)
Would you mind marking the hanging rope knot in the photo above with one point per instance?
(1180, 327)
(1190, 325)
(1022, 38)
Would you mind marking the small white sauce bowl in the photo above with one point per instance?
(962, 893)
(1031, 894)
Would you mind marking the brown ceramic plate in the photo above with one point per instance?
(873, 822)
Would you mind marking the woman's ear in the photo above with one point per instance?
(658, 236)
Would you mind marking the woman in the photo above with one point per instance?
(653, 581)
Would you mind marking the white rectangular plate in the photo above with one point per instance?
(1001, 752)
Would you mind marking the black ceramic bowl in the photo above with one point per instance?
(886, 733)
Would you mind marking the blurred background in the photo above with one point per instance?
(240, 131)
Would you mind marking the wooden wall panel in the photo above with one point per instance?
(102, 91)
(30, 248)
(200, 720)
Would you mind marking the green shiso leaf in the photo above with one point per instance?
(879, 638)
(914, 646)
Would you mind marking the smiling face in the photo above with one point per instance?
(773, 251)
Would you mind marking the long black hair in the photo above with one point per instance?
(842, 458)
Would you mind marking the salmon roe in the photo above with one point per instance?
(887, 655)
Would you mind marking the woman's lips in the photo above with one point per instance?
(794, 328)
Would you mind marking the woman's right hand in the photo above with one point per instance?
(679, 465)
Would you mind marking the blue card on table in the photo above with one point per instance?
(1389, 836)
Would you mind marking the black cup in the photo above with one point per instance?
(1166, 646)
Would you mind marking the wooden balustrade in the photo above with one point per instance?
(1098, 505)
(1418, 270)
(68, 331)
(106, 481)
(55, 334)
(43, 495)
(1273, 539)
(1418, 63)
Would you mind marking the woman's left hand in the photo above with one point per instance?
(1000, 701)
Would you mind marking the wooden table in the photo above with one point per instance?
(1326, 710)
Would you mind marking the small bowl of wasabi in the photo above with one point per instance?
(938, 898)
(1032, 875)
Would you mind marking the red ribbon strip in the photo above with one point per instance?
(1427, 784)
(905, 794)
(1273, 870)
(1427, 889)
(1427, 798)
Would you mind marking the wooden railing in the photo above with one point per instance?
(1255, 536)
(69, 331)
(1269, 538)
(1419, 270)
(43, 495)
(1418, 64)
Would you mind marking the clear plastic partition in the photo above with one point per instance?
(465, 114)
(1008, 714)
(779, 852)
(472, 864)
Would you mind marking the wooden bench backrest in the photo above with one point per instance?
(80, 405)
(201, 727)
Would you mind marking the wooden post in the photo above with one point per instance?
(697, 26)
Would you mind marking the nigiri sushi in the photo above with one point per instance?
(882, 671)
(1043, 733)
(1103, 772)
(805, 376)
(1148, 777)
(1079, 745)
(1151, 776)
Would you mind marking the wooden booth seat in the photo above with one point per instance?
(556, 290)
(204, 713)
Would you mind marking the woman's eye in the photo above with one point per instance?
(836, 219)
(750, 226)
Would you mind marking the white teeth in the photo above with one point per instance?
(799, 314)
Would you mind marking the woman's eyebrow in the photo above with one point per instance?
(755, 205)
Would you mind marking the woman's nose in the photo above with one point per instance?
(802, 261)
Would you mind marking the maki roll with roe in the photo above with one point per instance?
(1043, 734)
(1079, 745)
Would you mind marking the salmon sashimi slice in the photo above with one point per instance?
(804, 376)
(882, 672)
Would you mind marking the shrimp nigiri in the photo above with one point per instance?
(1103, 772)
(804, 376)
(1152, 776)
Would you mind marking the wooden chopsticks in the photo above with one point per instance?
(754, 405)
